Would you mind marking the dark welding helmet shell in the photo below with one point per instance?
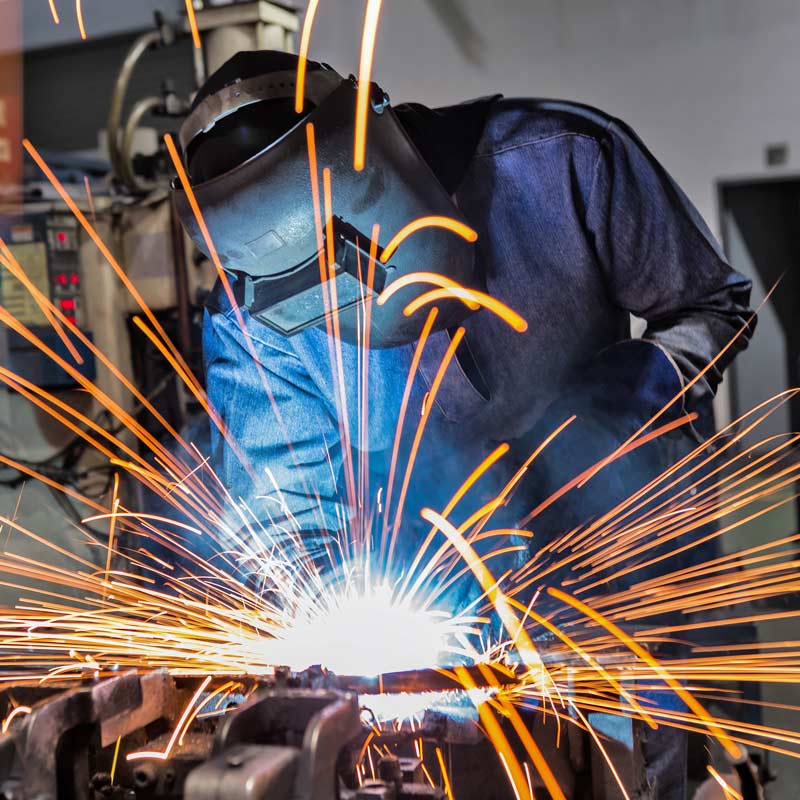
(261, 219)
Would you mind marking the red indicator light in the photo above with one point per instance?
(70, 318)
(61, 278)
(67, 304)
(74, 278)
(62, 237)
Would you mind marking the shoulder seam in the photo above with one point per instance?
(532, 142)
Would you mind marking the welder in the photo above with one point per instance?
(578, 228)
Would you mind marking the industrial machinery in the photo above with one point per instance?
(125, 200)
(298, 736)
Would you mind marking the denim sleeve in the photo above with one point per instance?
(662, 263)
(260, 429)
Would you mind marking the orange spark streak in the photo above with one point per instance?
(487, 462)
(728, 790)
(602, 749)
(433, 221)
(436, 383)
(182, 722)
(501, 603)
(25, 470)
(115, 759)
(508, 316)
(344, 416)
(448, 789)
(364, 87)
(54, 12)
(112, 523)
(592, 662)
(730, 747)
(19, 710)
(79, 16)
(531, 748)
(423, 277)
(497, 738)
(302, 56)
(412, 371)
(192, 19)
(222, 692)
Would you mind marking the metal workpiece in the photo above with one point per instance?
(284, 736)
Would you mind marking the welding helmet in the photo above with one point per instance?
(247, 156)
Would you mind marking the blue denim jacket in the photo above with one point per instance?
(578, 225)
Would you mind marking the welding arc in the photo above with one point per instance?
(431, 680)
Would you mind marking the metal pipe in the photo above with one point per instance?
(127, 175)
(142, 44)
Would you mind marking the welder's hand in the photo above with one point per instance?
(625, 387)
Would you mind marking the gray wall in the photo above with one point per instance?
(100, 17)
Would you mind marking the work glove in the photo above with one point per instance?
(622, 389)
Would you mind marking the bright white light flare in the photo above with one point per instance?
(365, 633)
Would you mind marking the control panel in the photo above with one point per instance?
(47, 245)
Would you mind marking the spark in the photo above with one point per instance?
(445, 223)
(112, 522)
(183, 723)
(732, 749)
(437, 382)
(17, 712)
(79, 17)
(206, 619)
(302, 55)
(192, 19)
(448, 790)
(480, 298)
(728, 790)
(115, 759)
(433, 278)
(450, 289)
(54, 12)
(369, 35)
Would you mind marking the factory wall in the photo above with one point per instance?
(707, 83)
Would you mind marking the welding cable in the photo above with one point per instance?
(140, 46)
(141, 109)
